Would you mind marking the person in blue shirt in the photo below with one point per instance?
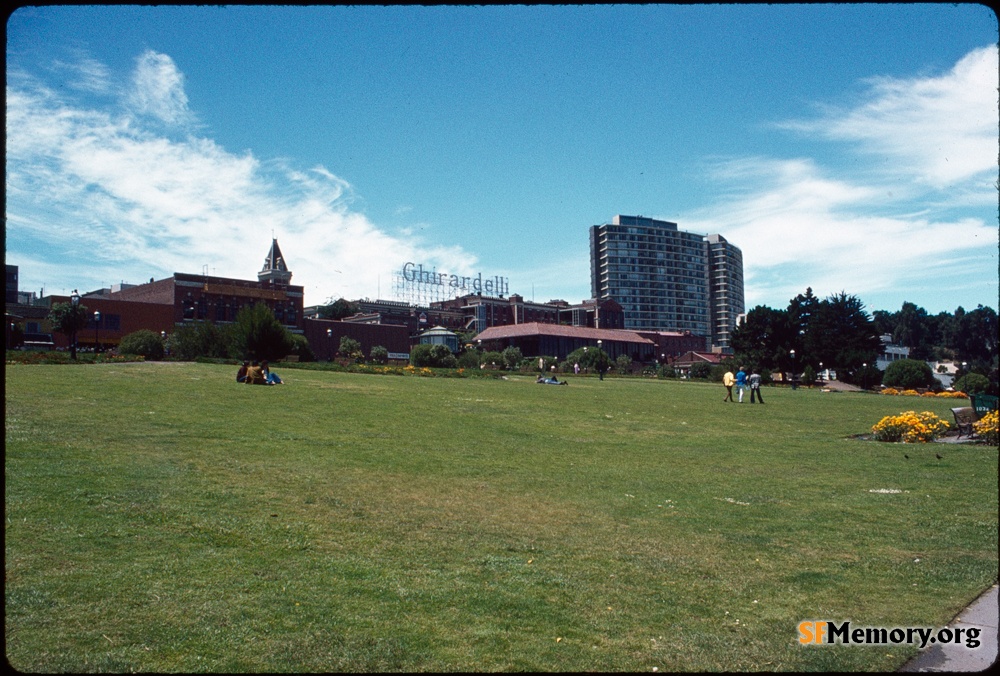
(741, 383)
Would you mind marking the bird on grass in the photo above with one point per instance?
(938, 456)
(906, 456)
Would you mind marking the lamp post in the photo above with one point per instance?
(74, 301)
(97, 332)
(792, 353)
(864, 376)
(329, 337)
(600, 366)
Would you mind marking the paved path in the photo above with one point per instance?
(952, 657)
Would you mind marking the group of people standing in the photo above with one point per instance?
(257, 373)
(741, 380)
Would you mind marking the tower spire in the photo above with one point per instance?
(275, 270)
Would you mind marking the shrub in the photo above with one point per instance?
(909, 427)
(143, 342)
(491, 359)
(351, 348)
(379, 354)
(701, 370)
(987, 428)
(908, 374)
(973, 383)
(301, 348)
(469, 359)
(890, 390)
(512, 357)
(432, 356)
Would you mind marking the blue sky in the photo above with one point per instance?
(841, 147)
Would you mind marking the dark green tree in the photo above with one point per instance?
(68, 320)
(379, 355)
(257, 334)
(845, 335)
(914, 329)
(200, 339)
(339, 309)
(909, 374)
(765, 339)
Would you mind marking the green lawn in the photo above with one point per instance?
(160, 517)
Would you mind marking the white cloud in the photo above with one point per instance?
(797, 228)
(130, 203)
(939, 130)
(158, 89)
(916, 214)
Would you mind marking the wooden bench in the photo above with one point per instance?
(964, 417)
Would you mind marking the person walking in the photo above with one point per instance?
(729, 380)
(741, 383)
(754, 381)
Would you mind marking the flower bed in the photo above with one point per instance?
(987, 428)
(910, 427)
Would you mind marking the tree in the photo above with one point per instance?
(68, 320)
(143, 342)
(379, 354)
(200, 339)
(339, 309)
(765, 339)
(915, 330)
(976, 334)
(257, 334)
(909, 374)
(845, 335)
(623, 362)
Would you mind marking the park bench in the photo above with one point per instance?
(964, 417)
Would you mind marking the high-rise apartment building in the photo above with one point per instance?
(666, 279)
(725, 272)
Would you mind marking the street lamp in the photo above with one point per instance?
(864, 376)
(792, 353)
(329, 337)
(74, 301)
(97, 332)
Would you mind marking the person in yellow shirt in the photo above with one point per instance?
(729, 380)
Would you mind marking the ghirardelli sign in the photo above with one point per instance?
(417, 274)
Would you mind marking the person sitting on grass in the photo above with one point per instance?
(269, 378)
(255, 375)
(241, 375)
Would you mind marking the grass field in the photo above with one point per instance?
(160, 517)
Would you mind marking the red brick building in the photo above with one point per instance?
(164, 304)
